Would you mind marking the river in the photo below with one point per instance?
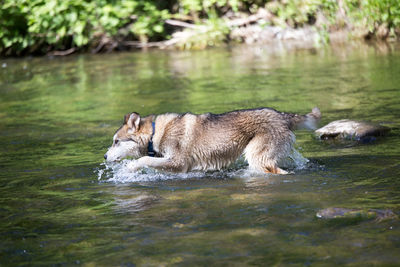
(59, 205)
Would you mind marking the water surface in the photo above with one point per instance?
(58, 116)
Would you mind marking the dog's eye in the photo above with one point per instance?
(116, 141)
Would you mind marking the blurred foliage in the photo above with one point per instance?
(40, 26)
(294, 13)
(212, 32)
(375, 15)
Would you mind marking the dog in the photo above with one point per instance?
(185, 142)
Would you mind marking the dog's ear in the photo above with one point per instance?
(132, 120)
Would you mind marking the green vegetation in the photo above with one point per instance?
(42, 26)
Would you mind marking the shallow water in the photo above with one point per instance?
(57, 118)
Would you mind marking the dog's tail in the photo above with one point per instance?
(308, 121)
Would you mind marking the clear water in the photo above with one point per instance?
(57, 118)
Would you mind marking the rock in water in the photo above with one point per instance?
(344, 213)
(348, 129)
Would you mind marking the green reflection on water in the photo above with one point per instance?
(58, 117)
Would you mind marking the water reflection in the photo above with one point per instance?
(128, 200)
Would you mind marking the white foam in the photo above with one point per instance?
(118, 172)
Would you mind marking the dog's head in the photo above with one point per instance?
(130, 140)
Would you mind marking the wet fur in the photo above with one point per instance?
(185, 142)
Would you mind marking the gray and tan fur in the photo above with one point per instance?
(185, 142)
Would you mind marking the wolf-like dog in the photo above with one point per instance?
(185, 142)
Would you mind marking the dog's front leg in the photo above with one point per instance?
(165, 164)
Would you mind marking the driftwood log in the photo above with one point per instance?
(349, 129)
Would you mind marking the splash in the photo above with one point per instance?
(295, 161)
(118, 172)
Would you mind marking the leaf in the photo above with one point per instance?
(158, 28)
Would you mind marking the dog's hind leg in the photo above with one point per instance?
(265, 150)
(165, 164)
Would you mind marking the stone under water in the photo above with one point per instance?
(345, 213)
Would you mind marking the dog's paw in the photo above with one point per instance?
(133, 166)
(281, 171)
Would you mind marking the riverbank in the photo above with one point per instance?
(58, 28)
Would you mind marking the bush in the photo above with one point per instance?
(40, 26)
(375, 14)
(37, 26)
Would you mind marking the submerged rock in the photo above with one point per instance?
(344, 213)
(354, 130)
